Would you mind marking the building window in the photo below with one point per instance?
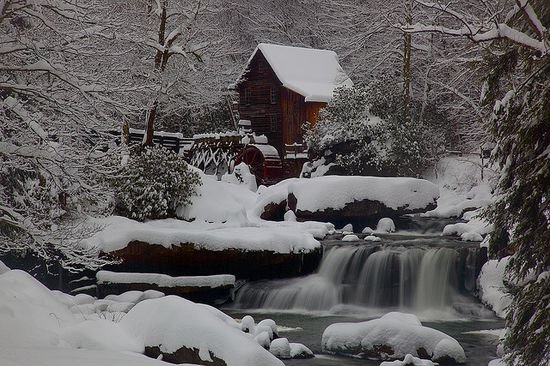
(273, 123)
(273, 95)
(246, 96)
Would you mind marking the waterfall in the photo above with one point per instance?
(408, 278)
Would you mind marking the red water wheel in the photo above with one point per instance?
(255, 160)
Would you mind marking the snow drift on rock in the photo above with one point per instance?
(172, 322)
(402, 332)
(318, 194)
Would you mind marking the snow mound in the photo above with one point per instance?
(491, 286)
(280, 347)
(298, 350)
(347, 229)
(321, 193)
(3, 268)
(372, 238)
(385, 225)
(392, 336)
(171, 323)
(409, 360)
(290, 216)
(367, 230)
(350, 237)
(473, 230)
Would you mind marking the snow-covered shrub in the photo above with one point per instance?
(153, 184)
(367, 132)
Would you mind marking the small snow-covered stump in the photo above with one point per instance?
(350, 237)
(391, 337)
(385, 225)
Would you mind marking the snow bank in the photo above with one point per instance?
(491, 286)
(286, 237)
(461, 186)
(101, 334)
(172, 323)
(473, 230)
(163, 280)
(318, 194)
(403, 333)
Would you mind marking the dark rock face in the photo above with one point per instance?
(186, 260)
(361, 212)
(274, 211)
(183, 355)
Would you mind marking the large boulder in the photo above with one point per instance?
(348, 199)
(184, 332)
(392, 337)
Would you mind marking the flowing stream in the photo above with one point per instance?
(428, 275)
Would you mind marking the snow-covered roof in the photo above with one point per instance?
(309, 72)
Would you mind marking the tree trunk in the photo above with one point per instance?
(407, 61)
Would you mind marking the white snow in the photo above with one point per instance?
(309, 72)
(3, 268)
(287, 237)
(350, 237)
(385, 225)
(172, 322)
(163, 280)
(241, 176)
(347, 229)
(219, 202)
(290, 216)
(367, 230)
(317, 194)
(372, 238)
(280, 347)
(298, 350)
(409, 360)
(403, 332)
(473, 230)
(491, 286)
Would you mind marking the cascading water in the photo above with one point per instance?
(408, 278)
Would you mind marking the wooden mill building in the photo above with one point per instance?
(282, 87)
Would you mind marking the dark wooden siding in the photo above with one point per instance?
(274, 110)
(259, 97)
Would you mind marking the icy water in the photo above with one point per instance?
(308, 329)
(417, 272)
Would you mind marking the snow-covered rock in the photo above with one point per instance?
(289, 216)
(347, 229)
(473, 230)
(367, 230)
(392, 336)
(183, 331)
(247, 324)
(298, 350)
(280, 347)
(409, 360)
(372, 238)
(491, 286)
(346, 198)
(162, 280)
(385, 225)
(271, 324)
(350, 237)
